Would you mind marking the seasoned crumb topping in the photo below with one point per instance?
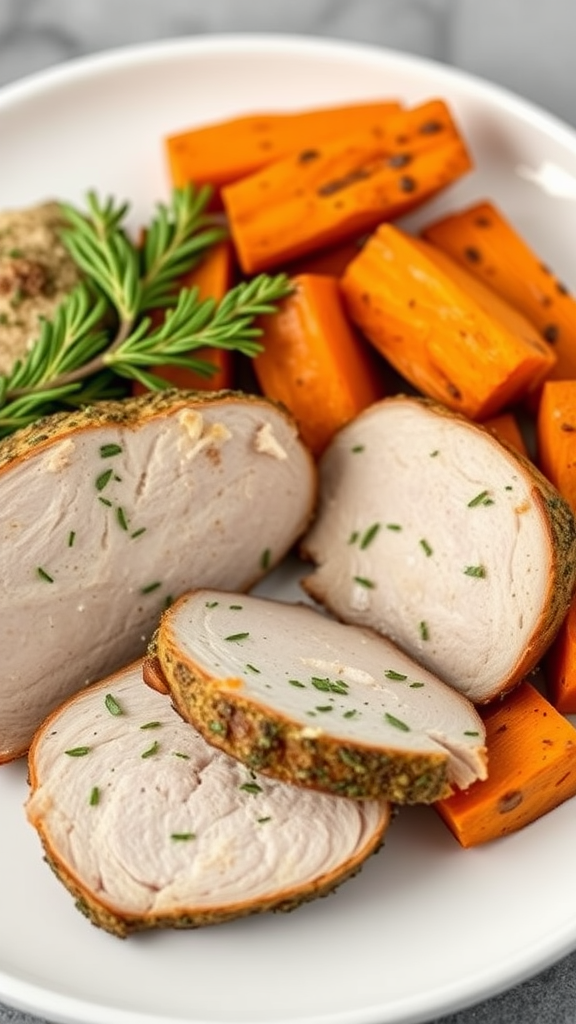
(36, 273)
(267, 444)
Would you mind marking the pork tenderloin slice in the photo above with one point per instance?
(434, 533)
(148, 826)
(306, 699)
(108, 514)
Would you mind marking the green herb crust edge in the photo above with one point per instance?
(126, 412)
(556, 511)
(270, 743)
(104, 916)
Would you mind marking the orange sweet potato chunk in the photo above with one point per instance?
(446, 333)
(484, 241)
(531, 770)
(556, 436)
(343, 187)
(219, 153)
(314, 363)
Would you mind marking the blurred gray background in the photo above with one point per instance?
(525, 45)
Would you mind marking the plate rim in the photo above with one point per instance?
(103, 61)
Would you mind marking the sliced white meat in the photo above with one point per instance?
(148, 826)
(306, 699)
(109, 514)
(432, 532)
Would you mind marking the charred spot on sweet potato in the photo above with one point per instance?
(510, 801)
(550, 333)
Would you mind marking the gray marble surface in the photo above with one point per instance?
(525, 45)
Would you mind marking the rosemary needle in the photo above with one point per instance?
(101, 334)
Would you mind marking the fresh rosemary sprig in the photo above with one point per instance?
(193, 324)
(102, 335)
(175, 238)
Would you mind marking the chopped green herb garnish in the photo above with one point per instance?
(471, 732)
(105, 501)
(236, 637)
(415, 686)
(434, 453)
(112, 705)
(151, 750)
(478, 499)
(351, 714)
(216, 727)
(150, 587)
(475, 570)
(426, 547)
(364, 582)
(262, 820)
(396, 722)
(177, 753)
(44, 575)
(121, 517)
(321, 684)
(94, 797)
(265, 559)
(151, 725)
(107, 450)
(138, 533)
(508, 487)
(297, 683)
(369, 536)
(78, 751)
(168, 601)
(338, 686)
(182, 837)
(329, 685)
(358, 448)
(103, 479)
(481, 499)
(211, 604)
(324, 707)
(251, 787)
(252, 668)
(424, 631)
(235, 607)
(71, 538)
(393, 526)
(391, 674)
(353, 537)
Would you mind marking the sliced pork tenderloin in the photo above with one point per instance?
(108, 514)
(308, 700)
(434, 533)
(148, 826)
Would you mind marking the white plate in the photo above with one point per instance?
(426, 927)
